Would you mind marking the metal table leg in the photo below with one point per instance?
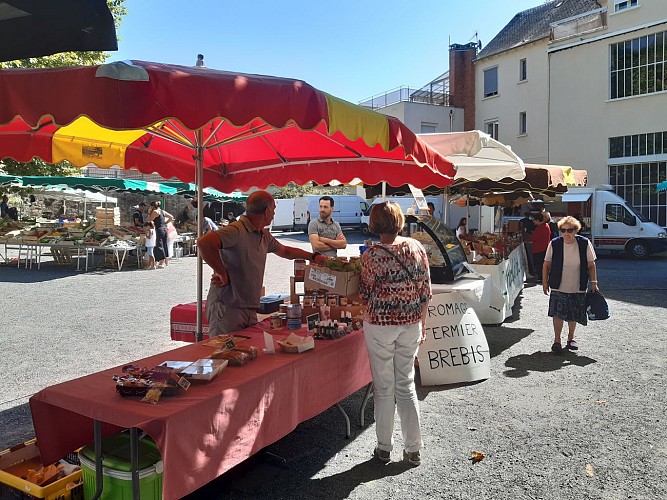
(134, 461)
(348, 432)
(99, 473)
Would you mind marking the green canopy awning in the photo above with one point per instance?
(8, 180)
(100, 185)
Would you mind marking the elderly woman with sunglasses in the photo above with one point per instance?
(569, 265)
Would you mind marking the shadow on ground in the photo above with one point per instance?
(48, 272)
(299, 456)
(523, 364)
(17, 423)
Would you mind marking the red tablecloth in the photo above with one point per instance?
(216, 425)
(184, 322)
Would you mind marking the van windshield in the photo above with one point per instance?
(641, 216)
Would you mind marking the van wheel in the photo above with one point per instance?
(637, 249)
(364, 229)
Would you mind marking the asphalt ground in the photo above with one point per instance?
(589, 424)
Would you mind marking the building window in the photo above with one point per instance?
(523, 70)
(492, 129)
(653, 143)
(523, 130)
(639, 66)
(491, 82)
(428, 128)
(624, 4)
(636, 183)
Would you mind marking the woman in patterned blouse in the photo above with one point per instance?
(396, 286)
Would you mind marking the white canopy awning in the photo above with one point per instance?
(575, 197)
(476, 155)
(78, 194)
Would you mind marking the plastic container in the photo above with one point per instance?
(117, 478)
(15, 463)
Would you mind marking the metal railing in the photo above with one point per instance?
(424, 95)
(578, 25)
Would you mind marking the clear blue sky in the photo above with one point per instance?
(351, 49)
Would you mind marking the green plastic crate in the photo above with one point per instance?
(117, 478)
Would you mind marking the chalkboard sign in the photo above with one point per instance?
(455, 349)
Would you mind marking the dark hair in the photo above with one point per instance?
(155, 204)
(430, 205)
(142, 204)
(463, 222)
(386, 218)
(149, 224)
(537, 217)
(329, 199)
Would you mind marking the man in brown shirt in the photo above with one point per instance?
(237, 255)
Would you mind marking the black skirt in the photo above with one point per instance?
(568, 306)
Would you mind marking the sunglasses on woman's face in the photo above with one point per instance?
(567, 230)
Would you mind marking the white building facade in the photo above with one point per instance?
(583, 83)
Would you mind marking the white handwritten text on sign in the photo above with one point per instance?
(326, 279)
(455, 349)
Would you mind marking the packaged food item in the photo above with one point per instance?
(299, 268)
(235, 358)
(251, 350)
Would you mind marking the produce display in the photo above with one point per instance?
(489, 248)
(118, 237)
(342, 264)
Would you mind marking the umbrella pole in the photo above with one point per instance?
(199, 179)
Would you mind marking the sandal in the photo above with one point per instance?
(572, 345)
(557, 348)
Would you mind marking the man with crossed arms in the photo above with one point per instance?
(324, 233)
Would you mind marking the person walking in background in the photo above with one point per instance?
(150, 244)
(569, 264)
(4, 206)
(539, 239)
(237, 255)
(462, 228)
(172, 236)
(431, 208)
(324, 233)
(160, 218)
(396, 287)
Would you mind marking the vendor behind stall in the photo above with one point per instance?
(139, 214)
(237, 255)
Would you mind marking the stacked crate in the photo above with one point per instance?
(106, 218)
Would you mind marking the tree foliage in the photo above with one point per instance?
(36, 166)
(293, 191)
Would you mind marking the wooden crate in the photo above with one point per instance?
(61, 255)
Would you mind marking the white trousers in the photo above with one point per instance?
(392, 350)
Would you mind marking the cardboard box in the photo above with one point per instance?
(514, 226)
(322, 278)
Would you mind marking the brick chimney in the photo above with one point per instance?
(462, 81)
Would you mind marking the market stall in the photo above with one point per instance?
(213, 426)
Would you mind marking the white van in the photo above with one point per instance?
(612, 224)
(405, 202)
(284, 217)
(348, 210)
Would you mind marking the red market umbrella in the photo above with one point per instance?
(219, 129)
(248, 130)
